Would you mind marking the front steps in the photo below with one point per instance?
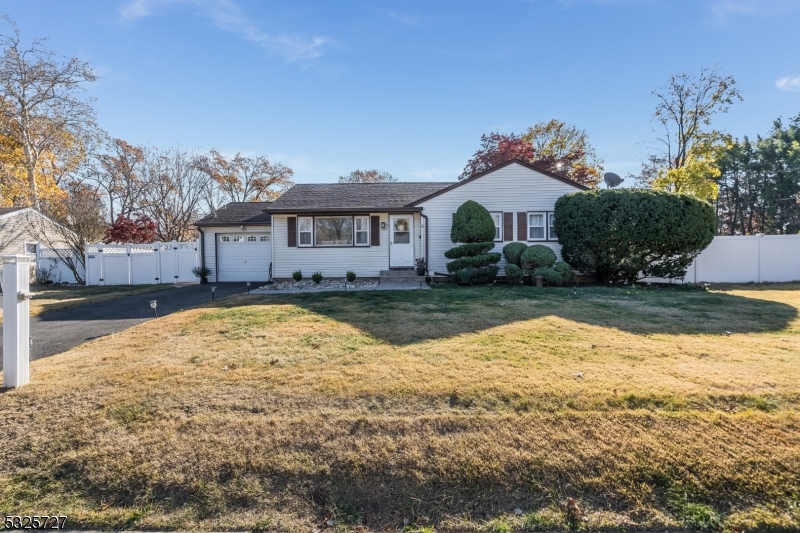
(400, 276)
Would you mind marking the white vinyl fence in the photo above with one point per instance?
(48, 260)
(746, 259)
(140, 264)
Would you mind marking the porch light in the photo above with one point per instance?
(153, 305)
(383, 225)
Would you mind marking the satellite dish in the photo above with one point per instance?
(612, 180)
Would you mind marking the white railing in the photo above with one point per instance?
(140, 264)
(746, 259)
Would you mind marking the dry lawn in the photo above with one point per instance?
(53, 298)
(449, 408)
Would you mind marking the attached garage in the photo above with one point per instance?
(236, 242)
(243, 256)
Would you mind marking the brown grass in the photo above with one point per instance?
(449, 407)
(53, 298)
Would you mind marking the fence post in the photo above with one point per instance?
(759, 235)
(16, 320)
(129, 249)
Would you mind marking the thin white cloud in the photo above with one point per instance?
(788, 83)
(228, 16)
(726, 9)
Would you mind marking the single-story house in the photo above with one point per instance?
(20, 232)
(371, 228)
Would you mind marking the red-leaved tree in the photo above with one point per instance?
(554, 146)
(497, 148)
(140, 230)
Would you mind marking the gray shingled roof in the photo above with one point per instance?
(238, 213)
(306, 196)
(7, 210)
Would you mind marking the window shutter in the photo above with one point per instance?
(374, 231)
(291, 225)
(522, 226)
(508, 226)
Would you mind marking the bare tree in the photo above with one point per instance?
(118, 172)
(39, 108)
(244, 179)
(80, 220)
(685, 107)
(367, 176)
(175, 193)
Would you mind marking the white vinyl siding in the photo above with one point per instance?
(333, 262)
(513, 188)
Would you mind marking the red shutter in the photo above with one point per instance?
(508, 226)
(291, 225)
(374, 231)
(522, 226)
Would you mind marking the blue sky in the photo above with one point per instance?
(409, 87)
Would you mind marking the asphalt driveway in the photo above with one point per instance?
(59, 331)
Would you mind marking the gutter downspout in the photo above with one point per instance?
(202, 247)
(426, 242)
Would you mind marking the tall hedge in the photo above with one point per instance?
(474, 229)
(627, 234)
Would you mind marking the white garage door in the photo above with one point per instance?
(244, 256)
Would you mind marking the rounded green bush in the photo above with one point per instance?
(626, 234)
(297, 275)
(550, 276)
(316, 276)
(472, 248)
(513, 252)
(464, 275)
(537, 256)
(472, 223)
(485, 275)
(350, 276)
(475, 261)
(565, 270)
(513, 274)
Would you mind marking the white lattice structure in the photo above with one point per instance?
(49, 260)
(140, 264)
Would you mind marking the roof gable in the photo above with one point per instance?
(498, 167)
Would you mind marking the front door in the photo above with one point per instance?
(401, 242)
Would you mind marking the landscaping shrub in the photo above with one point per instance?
(513, 274)
(537, 256)
(513, 252)
(470, 249)
(565, 270)
(297, 275)
(626, 234)
(473, 228)
(550, 276)
(464, 275)
(350, 276)
(316, 277)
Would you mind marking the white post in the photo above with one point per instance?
(16, 320)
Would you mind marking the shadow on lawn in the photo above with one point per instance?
(406, 317)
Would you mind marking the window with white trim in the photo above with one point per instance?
(238, 238)
(333, 231)
(536, 227)
(305, 227)
(30, 248)
(264, 238)
(497, 216)
(251, 238)
(362, 231)
(224, 238)
(551, 230)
